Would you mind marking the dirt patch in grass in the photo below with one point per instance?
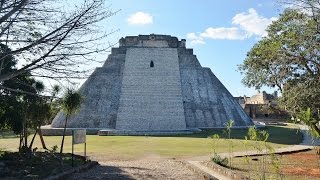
(302, 171)
(302, 156)
(302, 164)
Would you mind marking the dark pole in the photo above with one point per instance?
(85, 152)
(72, 148)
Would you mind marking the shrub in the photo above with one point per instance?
(219, 160)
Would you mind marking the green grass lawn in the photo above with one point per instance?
(180, 146)
(4, 134)
(278, 134)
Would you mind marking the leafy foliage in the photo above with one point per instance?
(219, 160)
(14, 105)
(289, 59)
(22, 106)
(289, 53)
(71, 102)
(311, 122)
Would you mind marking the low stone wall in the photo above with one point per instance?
(224, 171)
(48, 131)
(198, 171)
(140, 133)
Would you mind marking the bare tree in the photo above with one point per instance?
(50, 40)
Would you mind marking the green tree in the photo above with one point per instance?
(22, 106)
(288, 58)
(71, 103)
(39, 112)
(13, 102)
(43, 111)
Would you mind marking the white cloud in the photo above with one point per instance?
(195, 39)
(140, 18)
(246, 25)
(232, 33)
(252, 23)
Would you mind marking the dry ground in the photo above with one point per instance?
(295, 166)
(152, 166)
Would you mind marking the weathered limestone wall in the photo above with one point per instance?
(126, 94)
(207, 103)
(152, 40)
(101, 93)
(260, 98)
(151, 97)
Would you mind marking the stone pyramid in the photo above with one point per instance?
(153, 83)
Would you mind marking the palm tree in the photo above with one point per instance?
(71, 102)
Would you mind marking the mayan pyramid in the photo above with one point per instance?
(154, 83)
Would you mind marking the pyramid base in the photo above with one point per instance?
(51, 131)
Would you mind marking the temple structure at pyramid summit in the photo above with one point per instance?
(150, 84)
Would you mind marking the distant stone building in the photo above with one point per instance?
(261, 105)
(262, 98)
(153, 83)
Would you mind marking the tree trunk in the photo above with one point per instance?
(64, 133)
(25, 133)
(21, 139)
(316, 130)
(41, 138)
(38, 130)
(31, 143)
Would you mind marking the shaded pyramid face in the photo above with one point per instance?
(154, 83)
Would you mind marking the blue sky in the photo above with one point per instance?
(220, 32)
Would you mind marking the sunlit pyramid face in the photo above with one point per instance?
(153, 83)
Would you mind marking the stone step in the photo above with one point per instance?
(151, 97)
